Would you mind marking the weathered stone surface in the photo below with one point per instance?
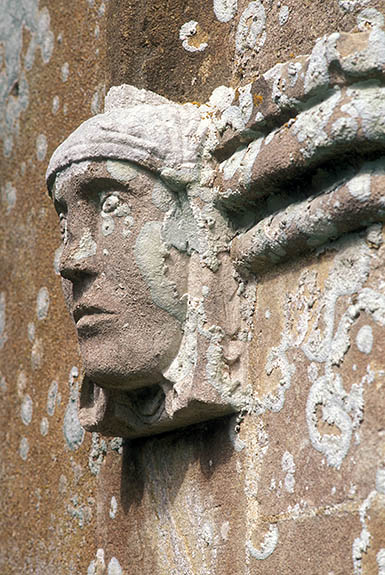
(296, 486)
(48, 493)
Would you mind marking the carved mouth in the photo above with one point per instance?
(83, 314)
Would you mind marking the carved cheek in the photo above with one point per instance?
(150, 253)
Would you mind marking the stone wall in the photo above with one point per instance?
(296, 486)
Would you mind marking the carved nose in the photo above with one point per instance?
(77, 263)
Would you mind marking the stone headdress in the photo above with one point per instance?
(138, 126)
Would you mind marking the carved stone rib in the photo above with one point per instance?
(350, 121)
(287, 89)
(311, 223)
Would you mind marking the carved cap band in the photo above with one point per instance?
(161, 136)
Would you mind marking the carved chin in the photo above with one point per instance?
(126, 363)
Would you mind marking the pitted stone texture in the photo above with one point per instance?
(186, 502)
(48, 515)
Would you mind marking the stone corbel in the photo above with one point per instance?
(282, 165)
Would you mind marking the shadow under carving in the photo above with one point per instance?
(159, 464)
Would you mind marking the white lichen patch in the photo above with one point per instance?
(233, 431)
(288, 466)
(181, 369)
(8, 196)
(65, 71)
(374, 236)
(24, 448)
(370, 18)
(52, 397)
(63, 484)
(80, 512)
(350, 5)
(230, 166)
(57, 258)
(72, 430)
(161, 196)
(251, 33)
(380, 557)
(225, 530)
(116, 444)
(37, 353)
(86, 248)
(122, 171)
(207, 533)
(380, 480)
(362, 542)
(21, 384)
(113, 507)
(97, 566)
(42, 303)
(41, 147)
(329, 395)
(55, 105)
(359, 187)
(97, 453)
(283, 15)
(364, 339)
(225, 10)
(44, 425)
(107, 226)
(188, 31)
(31, 331)
(95, 103)
(268, 545)
(18, 21)
(114, 567)
(26, 410)
(3, 335)
(310, 127)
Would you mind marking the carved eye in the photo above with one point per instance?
(110, 203)
(63, 228)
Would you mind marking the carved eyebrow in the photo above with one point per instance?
(90, 184)
(98, 184)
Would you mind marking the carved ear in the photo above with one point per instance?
(125, 96)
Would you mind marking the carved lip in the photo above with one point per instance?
(89, 312)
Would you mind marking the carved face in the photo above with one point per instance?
(122, 285)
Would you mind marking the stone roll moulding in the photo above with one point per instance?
(307, 153)
(169, 211)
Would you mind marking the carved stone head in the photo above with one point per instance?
(169, 212)
(142, 244)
